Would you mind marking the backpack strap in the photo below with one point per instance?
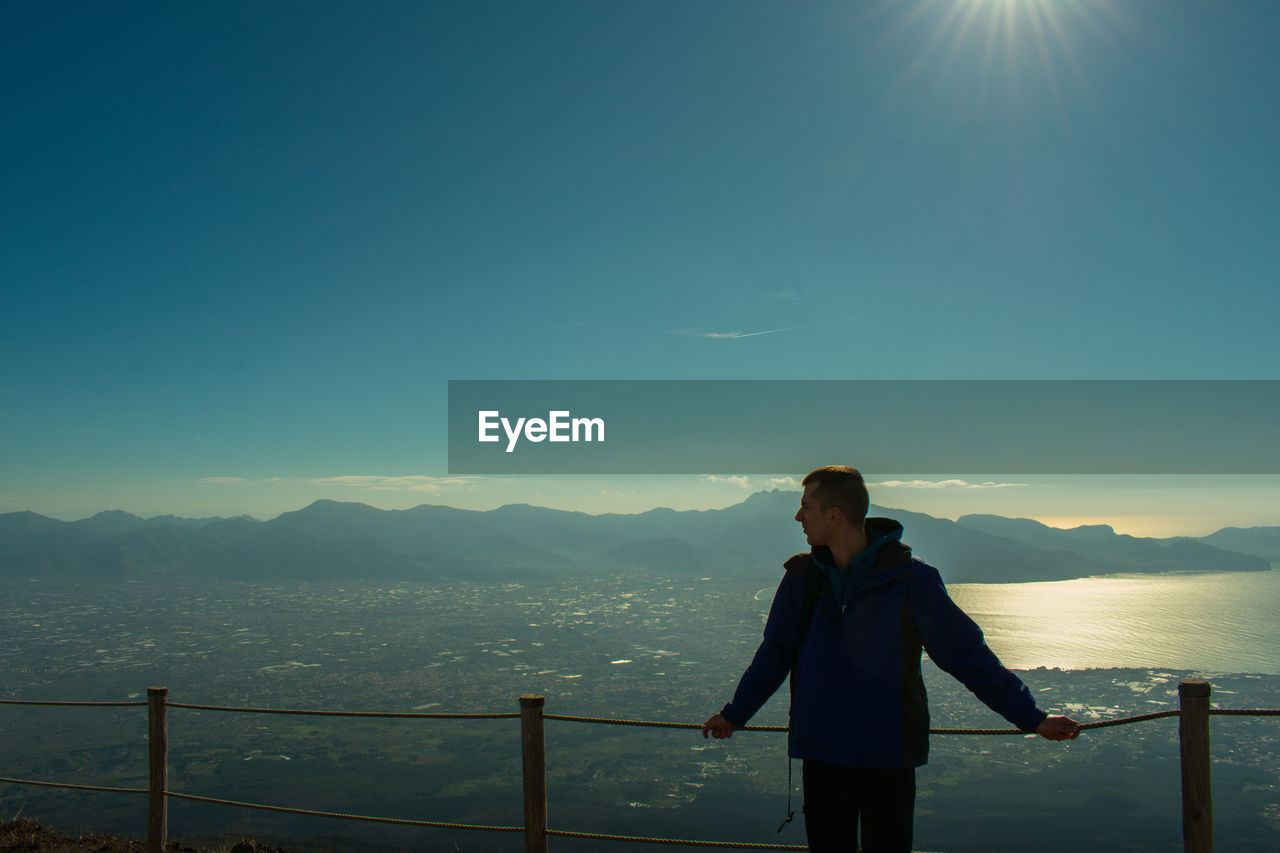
(803, 566)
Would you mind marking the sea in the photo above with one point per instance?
(1209, 623)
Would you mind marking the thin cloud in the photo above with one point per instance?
(945, 484)
(734, 336)
(404, 483)
(744, 482)
(718, 335)
(374, 482)
(739, 481)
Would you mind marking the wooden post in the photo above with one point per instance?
(158, 749)
(1197, 791)
(533, 747)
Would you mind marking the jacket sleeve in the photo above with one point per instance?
(955, 643)
(774, 658)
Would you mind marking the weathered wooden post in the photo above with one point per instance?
(533, 747)
(1197, 791)
(158, 753)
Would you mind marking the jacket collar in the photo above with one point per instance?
(884, 534)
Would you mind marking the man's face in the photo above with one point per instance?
(816, 522)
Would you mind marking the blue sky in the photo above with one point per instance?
(244, 246)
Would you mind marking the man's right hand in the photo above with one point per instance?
(718, 727)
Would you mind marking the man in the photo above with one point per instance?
(860, 717)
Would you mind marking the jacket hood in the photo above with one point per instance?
(883, 534)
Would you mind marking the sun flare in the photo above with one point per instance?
(988, 41)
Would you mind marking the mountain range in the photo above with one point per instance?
(328, 540)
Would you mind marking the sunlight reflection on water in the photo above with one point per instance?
(1205, 622)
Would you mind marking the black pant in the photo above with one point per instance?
(835, 798)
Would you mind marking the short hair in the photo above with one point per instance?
(842, 487)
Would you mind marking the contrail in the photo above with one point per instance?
(736, 335)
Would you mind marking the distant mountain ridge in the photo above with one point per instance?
(1115, 552)
(329, 540)
(1262, 541)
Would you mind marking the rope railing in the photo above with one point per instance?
(1246, 712)
(383, 714)
(1099, 724)
(196, 798)
(68, 786)
(64, 704)
(1194, 713)
(685, 842)
(613, 721)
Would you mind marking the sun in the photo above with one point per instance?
(997, 40)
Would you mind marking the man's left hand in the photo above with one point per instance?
(1058, 728)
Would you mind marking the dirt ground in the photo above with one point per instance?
(26, 835)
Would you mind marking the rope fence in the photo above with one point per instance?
(61, 704)
(384, 714)
(1246, 712)
(71, 787)
(611, 721)
(686, 842)
(1194, 715)
(341, 815)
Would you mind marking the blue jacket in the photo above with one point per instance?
(858, 697)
